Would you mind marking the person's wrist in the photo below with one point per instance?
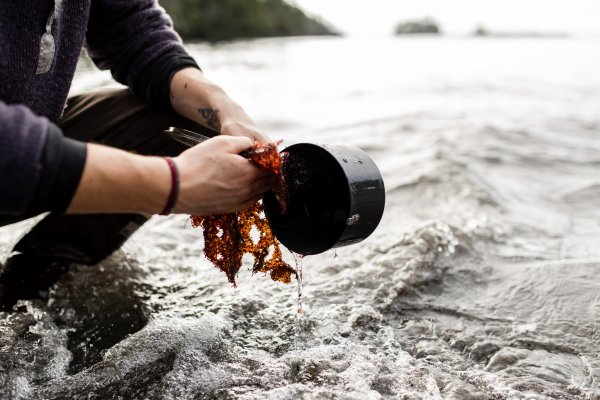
(155, 177)
(173, 197)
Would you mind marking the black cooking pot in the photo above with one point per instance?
(335, 195)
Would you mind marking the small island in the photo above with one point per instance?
(427, 26)
(218, 20)
(482, 31)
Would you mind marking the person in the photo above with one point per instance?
(100, 162)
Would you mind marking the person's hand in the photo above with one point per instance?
(215, 179)
(235, 122)
(199, 99)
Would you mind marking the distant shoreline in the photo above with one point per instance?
(226, 20)
(484, 32)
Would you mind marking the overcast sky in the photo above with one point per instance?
(460, 16)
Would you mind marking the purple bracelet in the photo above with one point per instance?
(174, 195)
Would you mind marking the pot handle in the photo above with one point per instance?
(190, 138)
(183, 136)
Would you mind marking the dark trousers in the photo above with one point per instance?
(115, 118)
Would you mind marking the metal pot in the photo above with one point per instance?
(335, 197)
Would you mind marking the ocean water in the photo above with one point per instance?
(481, 282)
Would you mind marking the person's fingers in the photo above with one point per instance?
(262, 173)
(262, 185)
(261, 137)
(253, 188)
(247, 129)
(235, 144)
(247, 203)
(248, 170)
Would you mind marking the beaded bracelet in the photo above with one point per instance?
(174, 194)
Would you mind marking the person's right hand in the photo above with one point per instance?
(215, 179)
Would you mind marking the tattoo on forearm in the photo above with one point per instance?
(210, 117)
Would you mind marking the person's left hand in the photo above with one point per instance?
(197, 98)
(235, 122)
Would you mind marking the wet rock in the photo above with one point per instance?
(505, 358)
(366, 318)
(163, 359)
(483, 350)
(462, 390)
(32, 351)
(99, 308)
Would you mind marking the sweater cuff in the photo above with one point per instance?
(63, 160)
(153, 84)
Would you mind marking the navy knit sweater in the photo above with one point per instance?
(132, 38)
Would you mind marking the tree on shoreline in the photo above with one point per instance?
(421, 26)
(215, 20)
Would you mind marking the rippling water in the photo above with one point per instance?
(480, 283)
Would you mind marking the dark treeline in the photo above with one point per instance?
(215, 20)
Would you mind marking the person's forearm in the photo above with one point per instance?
(197, 98)
(213, 178)
(115, 181)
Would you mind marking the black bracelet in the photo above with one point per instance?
(174, 195)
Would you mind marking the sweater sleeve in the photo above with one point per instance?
(39, 168)
(135, 40)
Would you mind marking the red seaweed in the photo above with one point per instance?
(227, 237)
